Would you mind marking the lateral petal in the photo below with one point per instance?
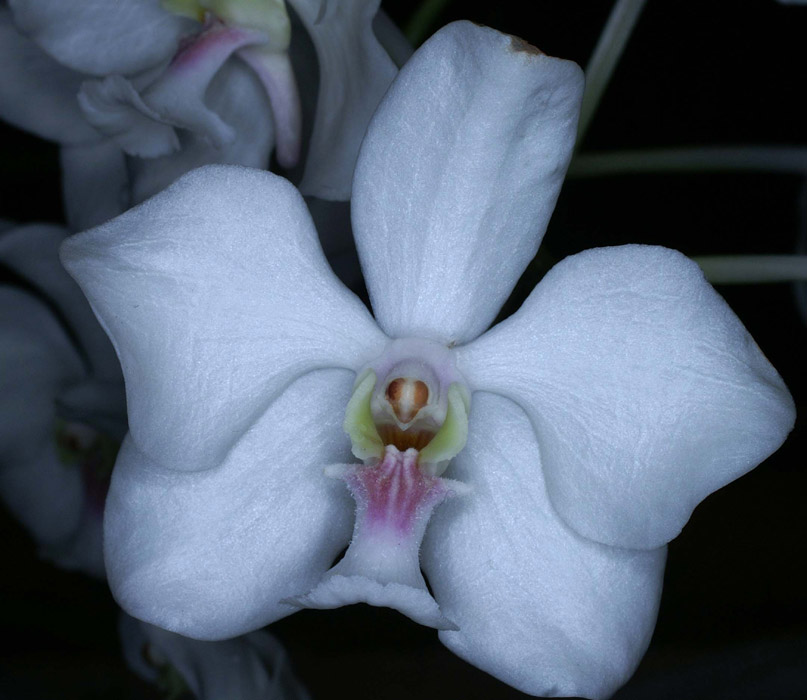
(211, 554)
(537, 606)
(457, 178)
(216, 295)
(645, 391)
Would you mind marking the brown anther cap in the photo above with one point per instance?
(407, 397)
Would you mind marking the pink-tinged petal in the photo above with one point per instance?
(537, 606)
(251, 667)
(216, 295)
(355, 72)
(236, 95)
(142, 121)
(95, 183)
(211, 554)
(394, 500)
(100, 37)
(277, 76)
(458, 177)
(33, 253)
(37, 361)
(645, 391)
(38, 94)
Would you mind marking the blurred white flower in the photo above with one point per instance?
(139, 92)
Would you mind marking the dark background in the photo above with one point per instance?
(733, 619)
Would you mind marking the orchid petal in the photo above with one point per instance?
(209, 290)
(212, 554)
(539, 607)
(101, 37)
(95, 183)
(235, 94)
(274, 69)
(457, 179)
(355, 72)
(645, 390)
(115, 108)
(33, 252)
(249, 667)
(37, 361)
(38, 94)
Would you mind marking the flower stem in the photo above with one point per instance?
(769, 159)
(753, 269)
(606, 55)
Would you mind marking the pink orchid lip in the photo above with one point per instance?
(394, 501)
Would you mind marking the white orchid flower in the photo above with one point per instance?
(61, 402)
(578, 434)
(142, 91)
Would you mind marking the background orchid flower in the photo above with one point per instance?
(252, 667)
(622, 393)
(62, 417)
(62, 402)
(143, 91)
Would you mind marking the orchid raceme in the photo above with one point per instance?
(141, 91)
(545, 462)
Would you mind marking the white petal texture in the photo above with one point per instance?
(645, 391)
(37, 93)
(211, 554)
(216, 295)
(37, 361)
(537, 606)
(355, 72)
(457, 179)
(102, 37)
(33, 252)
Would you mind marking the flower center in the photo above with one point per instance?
(420, 403)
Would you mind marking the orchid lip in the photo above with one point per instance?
(394, 501)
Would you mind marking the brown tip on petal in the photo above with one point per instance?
(519, 45)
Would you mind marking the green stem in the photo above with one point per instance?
(753, 269)
(606, 55)
(767, 159)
